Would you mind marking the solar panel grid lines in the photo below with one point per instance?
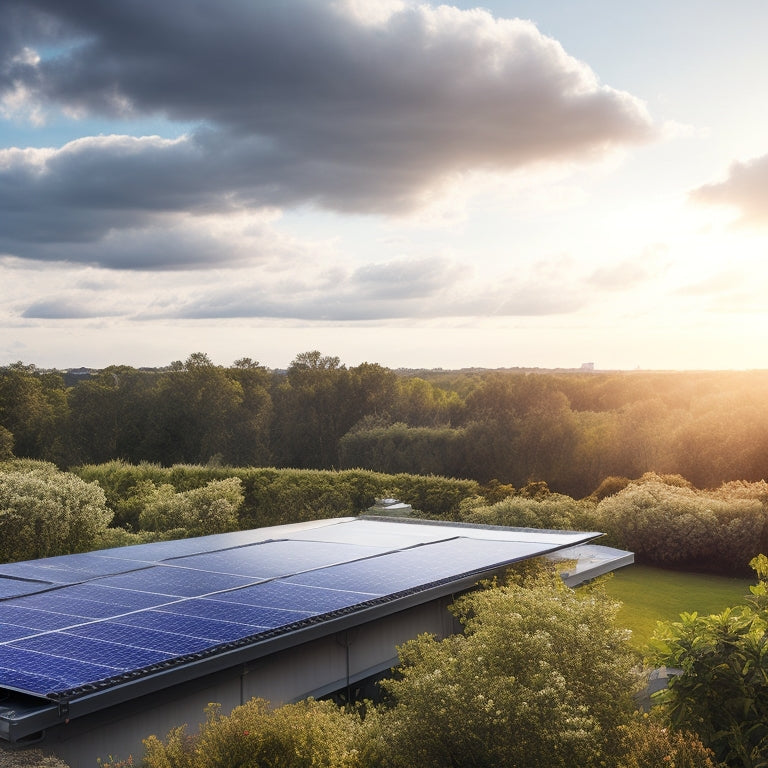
(194, 600)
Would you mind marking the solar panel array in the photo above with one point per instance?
(78, 623)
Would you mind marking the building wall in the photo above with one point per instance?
(314, 669)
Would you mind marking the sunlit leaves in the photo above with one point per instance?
(722, 689)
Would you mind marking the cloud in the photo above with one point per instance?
(291, 104)
(68, 309)
(745, 188)
(627, 274)
(401, 289)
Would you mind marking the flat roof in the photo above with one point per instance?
(85, 631)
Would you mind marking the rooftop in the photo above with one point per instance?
(92, 629)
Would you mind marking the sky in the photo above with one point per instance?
(526, 184)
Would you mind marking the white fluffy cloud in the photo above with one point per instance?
(745, 189)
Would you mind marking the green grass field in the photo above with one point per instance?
(653, 594)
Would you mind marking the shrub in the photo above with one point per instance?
(677, 525)
(540, 678)
(721, 691)
(309, 734)
(200, 512)
(44, 512)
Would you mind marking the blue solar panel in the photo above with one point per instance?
(62, 645)
(53, 672)
(281, 594)
(114, 631)
(69, 569)
(238, 613)
(411, 568)
(121, 600)
(15, 587)
(189, 626)
(15, 614)
(127, 610)
(10, 632)
(163, 550)
(276, 558)
(175, 581)
(58, 602)
(15, 678)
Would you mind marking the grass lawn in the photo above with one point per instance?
(653, 594)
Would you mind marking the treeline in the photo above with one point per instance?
(569, 429)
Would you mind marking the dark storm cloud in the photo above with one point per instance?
(294, 103)
(745, 188)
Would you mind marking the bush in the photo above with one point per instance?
(309, 734)
(541, 677)
(649, 743)
(199, 512)
(721, 691)
(552, 511)
(678, 525)
(277, 496)
(44, 512)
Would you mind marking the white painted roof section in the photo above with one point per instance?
(591, 561)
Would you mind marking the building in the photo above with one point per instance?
(99, 650)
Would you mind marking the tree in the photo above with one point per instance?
(196, 413)
(540, 677)
(721, 692)
(6, 444)
(33, 408)
(315, 407)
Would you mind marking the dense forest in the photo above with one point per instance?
(570, 429)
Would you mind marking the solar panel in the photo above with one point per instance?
(138, 637)
(283, 594)
(276, 558)
(13, 614)
(175, 581)
(50, 670)
(88, 619)
(119, 656)
(16, 587)
(244, 615)
(69, 569)
(189, 626)
(410, 568)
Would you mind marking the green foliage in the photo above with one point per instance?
(202, 511)
(309, 734)
(551, 511)
(44, 512)
(400, 448)
(540, 678)
(275, 496)
(6, 444)
(665, 521)
(609, 487)
(721, 692)
(33, 408)
(649, 743)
